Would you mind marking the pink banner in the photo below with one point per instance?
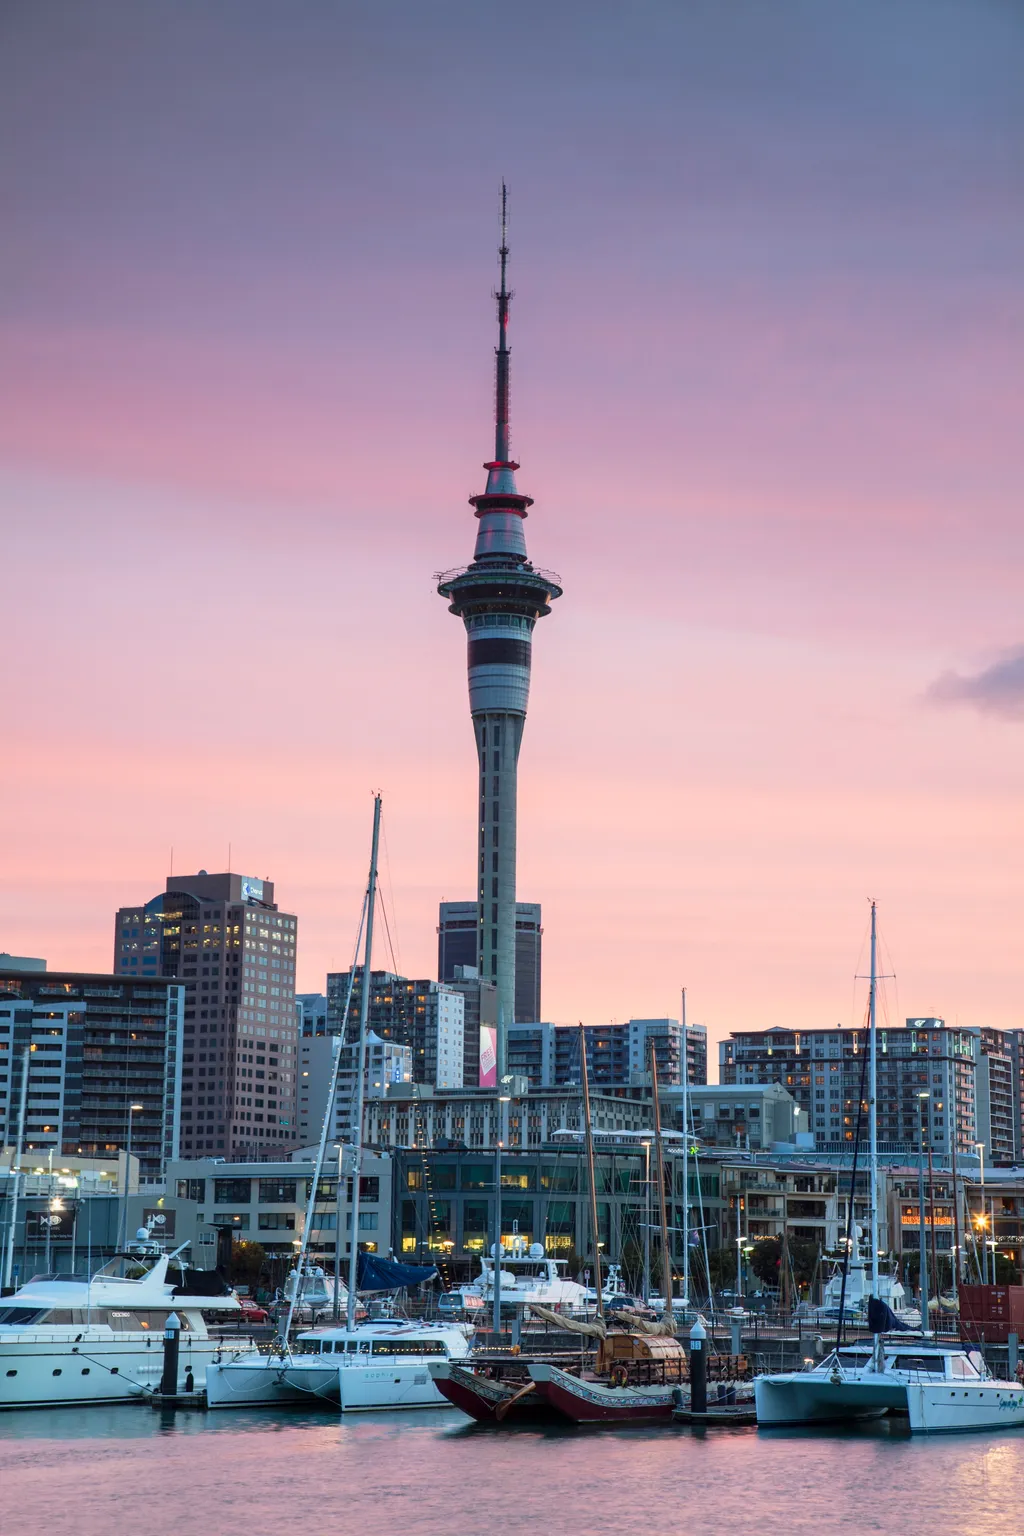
(488, 1056)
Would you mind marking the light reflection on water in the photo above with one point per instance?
(94, 1471)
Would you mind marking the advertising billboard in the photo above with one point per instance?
(488, 1056)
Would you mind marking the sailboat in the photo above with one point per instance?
(641, 1366)
(377, 1364)
(936, 1387)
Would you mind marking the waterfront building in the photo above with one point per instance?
(21, 962)
(418, 1115)
(427, 1016)
(444, 1202)
(234, 951)
(265, 1202)
(499, 597)
(458, 946)
(998, 1080)
(797, 1198)
(105, 1060)
(823, 1070)
(754, 1118)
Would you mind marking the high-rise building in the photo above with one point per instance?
(617, 1054)
(225, 939)
(480, 1003)
(311, 1010)
(427, 1016)
(926, 1072)
(499, 598)
(457, 945)
(105, 1062)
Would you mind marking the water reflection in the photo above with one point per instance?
(87, 1472)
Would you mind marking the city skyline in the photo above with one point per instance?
(768, 375)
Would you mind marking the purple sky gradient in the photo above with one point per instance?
(767, 393)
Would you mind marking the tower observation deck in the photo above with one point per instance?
(499, 598)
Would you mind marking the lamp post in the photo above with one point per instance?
(922, 1250)
(503, 1099)
(132, 1109)
(647, 1221)
(979, 1147)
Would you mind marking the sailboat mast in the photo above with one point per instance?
(364, 1009)
(666, 1254)
(873, 1097)
(686, 1157)
(590, 1172)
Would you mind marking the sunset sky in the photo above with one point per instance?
(766, 393)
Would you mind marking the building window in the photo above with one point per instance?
(231, 1192)
(192, 1189)
(277, 1192)
(237, 1219)
(277, 1221)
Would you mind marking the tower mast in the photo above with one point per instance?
(499, 597)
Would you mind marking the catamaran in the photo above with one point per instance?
(350, 1365)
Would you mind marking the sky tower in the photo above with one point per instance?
(499, 598)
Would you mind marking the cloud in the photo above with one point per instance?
(995, 690)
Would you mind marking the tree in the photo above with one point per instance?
(247, 1260)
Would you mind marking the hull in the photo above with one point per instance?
(486, 1401)
(86, 1368)
(948, 1409)
(263, 1382)
(799, 1398)
(271, 1382)
(591, 1402)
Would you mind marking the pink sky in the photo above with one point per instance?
(767, 397)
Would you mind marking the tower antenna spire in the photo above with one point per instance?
(502, 451)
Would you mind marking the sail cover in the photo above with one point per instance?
(376, 1274)
(882, 1319)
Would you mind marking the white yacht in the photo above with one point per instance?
(380, 1364)
(528, 1275)
(858, 1292)
(70, 1340)
(937, 1387)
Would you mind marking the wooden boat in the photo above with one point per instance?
(492, 1392)
(639, 1380)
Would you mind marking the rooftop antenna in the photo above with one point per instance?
(502, 451)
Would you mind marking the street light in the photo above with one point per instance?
(979, 1147)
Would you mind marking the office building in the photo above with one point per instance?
(105, 1057)
(387, 1064)
(234, 952)
(312, 1013)
(458, 947)
(444, 1204)
(480, 1009)
(427, 1016)
(265, 1202)
(499, 597)
(417, 1115)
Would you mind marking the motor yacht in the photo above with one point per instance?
(65, 1339)
(937, 1387)
(528, 1275)
(379, 1364)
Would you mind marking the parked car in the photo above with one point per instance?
(252, 1312)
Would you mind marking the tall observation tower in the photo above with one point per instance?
(499, 598)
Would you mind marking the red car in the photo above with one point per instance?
(252, 1312)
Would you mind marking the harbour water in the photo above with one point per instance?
(96, 1471)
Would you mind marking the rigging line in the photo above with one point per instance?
(396, 953)
(387, 932)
